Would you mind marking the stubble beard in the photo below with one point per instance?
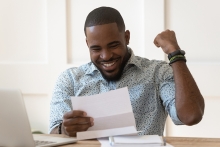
(118, 75)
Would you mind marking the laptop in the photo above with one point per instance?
(14, 124)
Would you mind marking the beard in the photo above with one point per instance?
(118, 75)
(114, 77)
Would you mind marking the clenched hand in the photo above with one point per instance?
(167, 41)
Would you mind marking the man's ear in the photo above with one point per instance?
(127, 36)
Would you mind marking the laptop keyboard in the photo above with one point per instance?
(40, 142)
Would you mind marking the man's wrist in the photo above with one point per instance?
(63, 131)
(59, 128)
(177, 55)
(177, 52)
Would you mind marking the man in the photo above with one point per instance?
(155, 87)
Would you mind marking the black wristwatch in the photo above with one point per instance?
(177, 52)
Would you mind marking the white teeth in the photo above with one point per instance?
(110, 64)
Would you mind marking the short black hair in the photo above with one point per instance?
(104, 15)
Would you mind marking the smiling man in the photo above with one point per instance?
(156, 88)
(108, 49)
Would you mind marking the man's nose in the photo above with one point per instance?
(106, 54)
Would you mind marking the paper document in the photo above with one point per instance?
(151, 139)
(134, 141)
(112, 113)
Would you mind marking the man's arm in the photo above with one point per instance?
(189, 101)
(61, 114)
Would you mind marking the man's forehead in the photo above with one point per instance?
(111, 23)
(102, 26)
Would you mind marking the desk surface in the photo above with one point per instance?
(175, 141)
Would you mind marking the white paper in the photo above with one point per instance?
(137, 141)
(106, 133)
(105, 104)
(110, 110)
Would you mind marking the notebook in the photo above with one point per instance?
(14, 124)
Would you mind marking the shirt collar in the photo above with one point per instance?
(91, 68)
(132, 61)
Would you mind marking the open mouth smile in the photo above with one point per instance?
(109, 66)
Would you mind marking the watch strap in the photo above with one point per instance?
(177, 52)
(60, 128)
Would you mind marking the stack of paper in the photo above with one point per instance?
(134, 141)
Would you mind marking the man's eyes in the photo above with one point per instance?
(114, 45)
(96, 49)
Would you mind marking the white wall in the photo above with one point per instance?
(39, 39)
(33, 52)
(196, 23)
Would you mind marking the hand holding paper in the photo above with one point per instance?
(76, 121)
(111, 111)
